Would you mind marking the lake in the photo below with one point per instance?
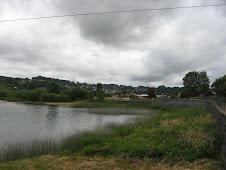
(26, 122)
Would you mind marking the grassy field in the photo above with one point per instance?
(176, 139)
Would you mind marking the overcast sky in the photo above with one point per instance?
(141, 48)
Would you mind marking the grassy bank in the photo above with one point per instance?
(176, 138)
(175, 135)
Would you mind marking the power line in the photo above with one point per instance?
(112, 12)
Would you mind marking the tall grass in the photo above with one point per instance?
(174, 135)
(73, 143)
(34, 148)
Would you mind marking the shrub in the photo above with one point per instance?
(124, 130)
(92, 139)
(30, 95)
(185, 94)
(208, 93)
(52, 97)
(77, 93)
(100, 94)
(3, 93)
(155, 106)
(165, 108)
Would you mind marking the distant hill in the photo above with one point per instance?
(22, 83)
(41, 82)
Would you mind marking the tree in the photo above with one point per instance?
(222, 90)
(78, 93)
(219, 85)
(30, 95)
(100, 92)
(99, 86)
(151, 92)
(185, 93)
(53, 87)
(31, 86)
(196, 82)
(131, 96)
(3, 93)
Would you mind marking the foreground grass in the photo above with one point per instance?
(95, 162)
(177, 138)
(183, 134)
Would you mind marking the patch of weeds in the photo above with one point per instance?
(92, 139)
(155, 106)
(124, 130)
(184, 134)
(165, 108)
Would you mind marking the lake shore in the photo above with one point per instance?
(92, 104)
(176, 139)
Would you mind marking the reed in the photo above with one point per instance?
(174, 135)
(34, 148)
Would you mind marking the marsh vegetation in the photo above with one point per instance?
(175, 135)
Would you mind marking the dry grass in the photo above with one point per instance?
(173, 122)
(196, 137)
(80, 162)
(204, 119)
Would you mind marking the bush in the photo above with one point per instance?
(29, 95)
(124, 130)
(208, 93)
(77, 93)
(108, 95)
(165, 108)
(100, 94)
(3, 93)
(92, 139)
(155, 106)
(185, 94)
(52, 97)
(64, 98)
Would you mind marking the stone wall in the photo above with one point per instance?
(171, 103)
(220, 116)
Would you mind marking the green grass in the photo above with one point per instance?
(24, 150)
(111, 104)
(174, 135)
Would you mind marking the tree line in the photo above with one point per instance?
(198, 83)
(53, 90)
(51, 93)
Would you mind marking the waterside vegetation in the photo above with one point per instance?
(173, 137)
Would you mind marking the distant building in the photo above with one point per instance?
(162, 96)
(142, 96)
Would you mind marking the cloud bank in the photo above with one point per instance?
(141, 48)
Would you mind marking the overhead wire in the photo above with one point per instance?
(112, 12)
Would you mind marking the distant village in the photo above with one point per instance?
(111, 90)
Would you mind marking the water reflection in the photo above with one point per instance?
(51, 117)
(23, 122)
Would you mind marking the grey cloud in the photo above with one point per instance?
(117, 29)
(192, 44)
(150, 48)
(18, 50)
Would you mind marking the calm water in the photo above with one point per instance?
(24, 122)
